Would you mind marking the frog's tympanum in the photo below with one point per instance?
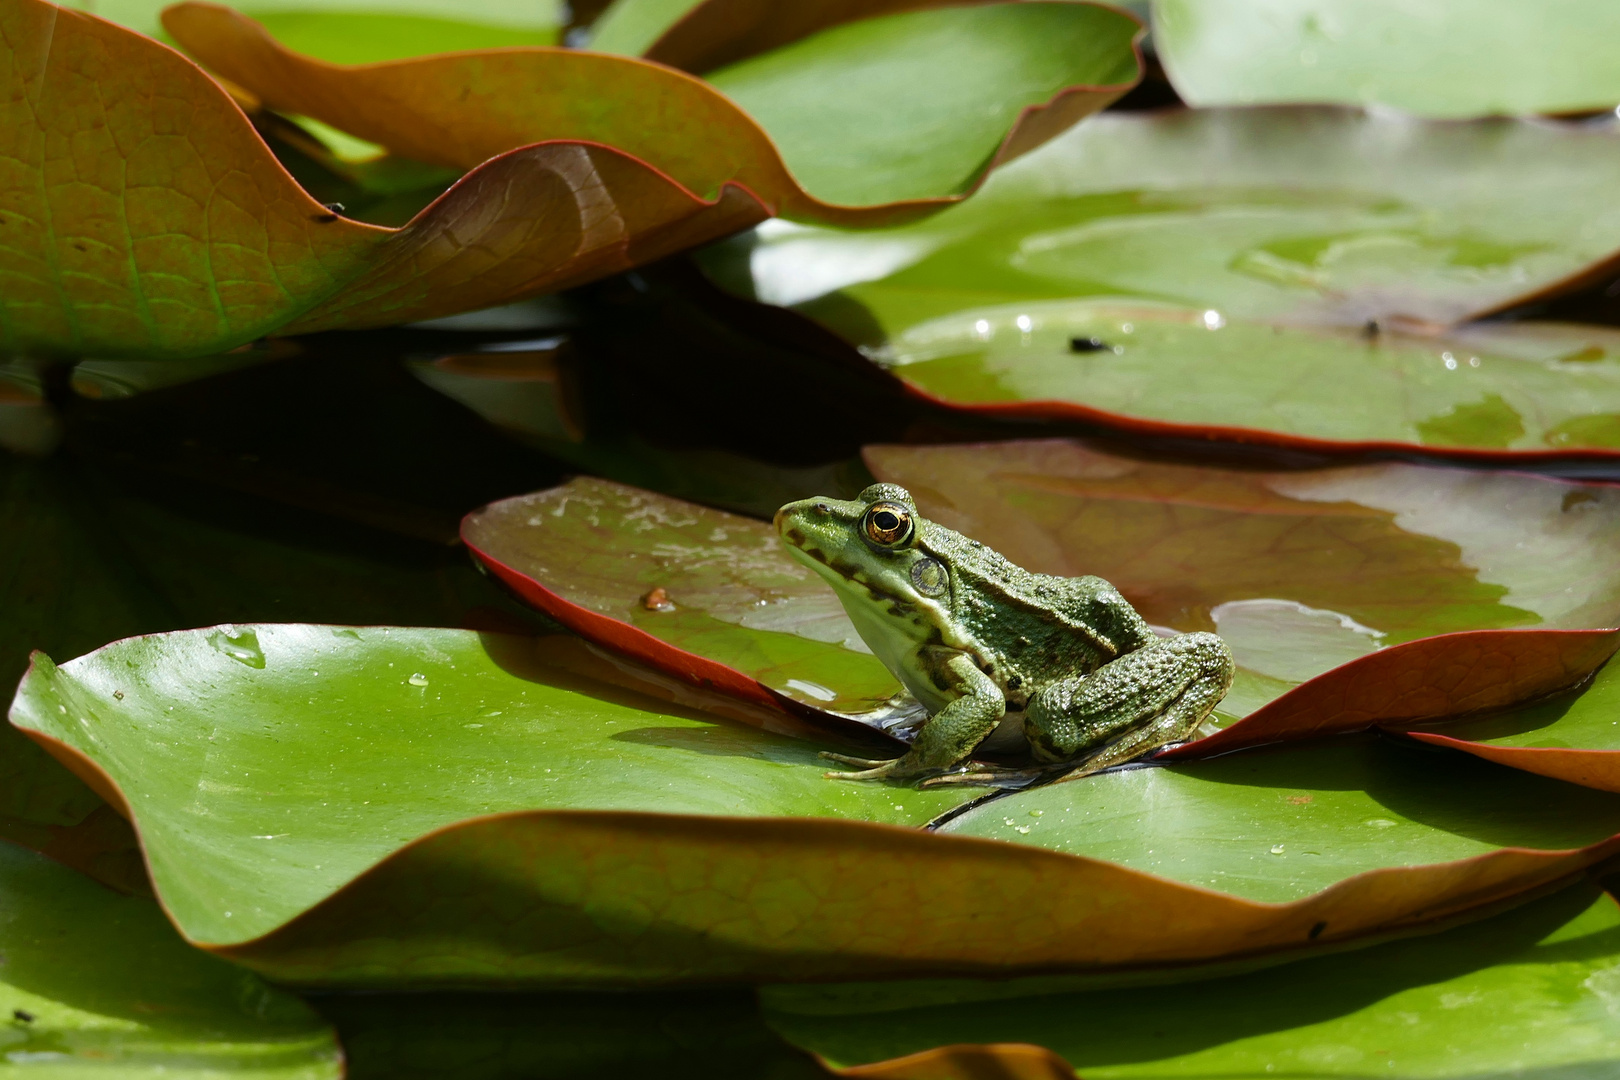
(975, 638)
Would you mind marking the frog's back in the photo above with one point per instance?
(1039, 620)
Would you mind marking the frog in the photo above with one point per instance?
(977, 640)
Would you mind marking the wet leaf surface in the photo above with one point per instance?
(733, 602)
(843, 162)
(1282, 823)
(421, 808)
(1283, 273)
(96, 983)
(1238, 53)
(1528, 992)
(1299, 571)
(320, 750)
(1167, 370)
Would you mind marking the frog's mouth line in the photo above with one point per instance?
(899, 606)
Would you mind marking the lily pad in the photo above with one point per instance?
(1300, 571)
(1575, 737)
(1459, 59)
(45, 807)
(96, 983)
(1169, 370)
(187, 246)
(417, 808)
(1282, 274)
(1070, 59)
(1530, 992)
(1282, 823)
(702, 593)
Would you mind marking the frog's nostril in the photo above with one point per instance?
(823, 508)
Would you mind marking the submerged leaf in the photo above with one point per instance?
(95, 983)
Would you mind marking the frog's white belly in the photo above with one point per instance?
(890, 644)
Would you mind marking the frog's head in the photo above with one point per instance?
(873, 552)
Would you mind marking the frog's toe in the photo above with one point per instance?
(865, 763)
(881, 772)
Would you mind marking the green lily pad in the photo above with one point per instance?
(1283, 271)
(418, 808)
(628, 27)
(1280, 823)
(95, 984)
(1457, 60)
(1574, 737)
(591, 553)
(1529, 993)
(320, 750)
(1299, 571)
(1171, 370)
(952, 82)
(370, 37)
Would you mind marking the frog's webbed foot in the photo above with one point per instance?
(870, 768)
(980, 774)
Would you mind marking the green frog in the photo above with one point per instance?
(974, 638)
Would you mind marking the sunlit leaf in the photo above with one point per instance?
(185, 244)
(1528, 993)
(1453, 59)
(732, 610)
(890, 137)
(1299, 571)
(345, 807)
(1280, 275)
(96, 984)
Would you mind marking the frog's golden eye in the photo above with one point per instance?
(888, 524)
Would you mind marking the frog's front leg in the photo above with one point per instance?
(1129, 706)
(950, 734)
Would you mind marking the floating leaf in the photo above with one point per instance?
(1300, 571)
(1436, 678)
(1574, 738)
(45, 807)
(185, 245)
(96, 983)
(1280, 824)
(710, 596)
(1279, 275)
(1186, 372)
(392, 807)
(1458, 60)
(983, 84)
(1530, 992)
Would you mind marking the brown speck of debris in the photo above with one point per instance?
(658, 600)
(119, 694)
(1300, 800)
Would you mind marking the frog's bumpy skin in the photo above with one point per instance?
(1139, 702)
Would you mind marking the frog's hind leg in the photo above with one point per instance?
(1137, 703)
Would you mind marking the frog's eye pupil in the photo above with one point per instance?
(888, 525)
